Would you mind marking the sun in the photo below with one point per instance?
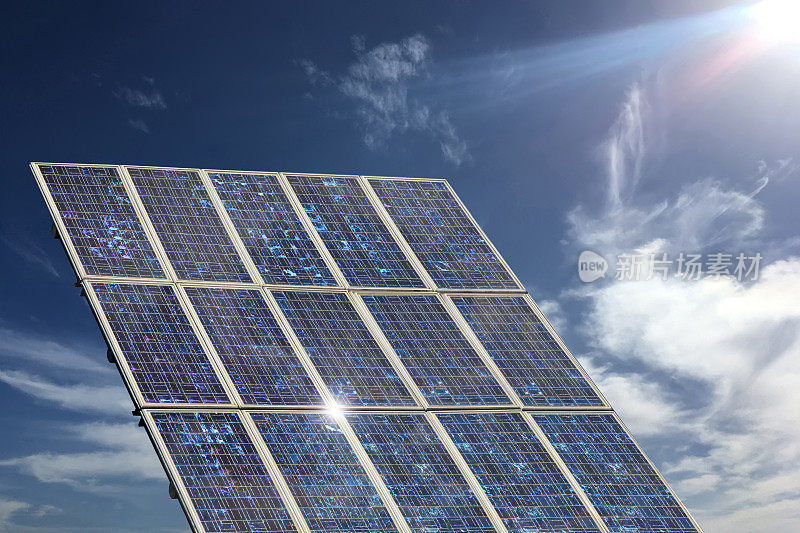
(778, 20)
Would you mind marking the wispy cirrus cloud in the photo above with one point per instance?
(139, 125)
(110, 399)
(380, 83)
(148, 99)
(31, 253)
(32, 347)
(708, 371)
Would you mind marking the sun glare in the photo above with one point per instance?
(778, 20)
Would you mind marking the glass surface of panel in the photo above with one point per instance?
(419, 473)
(540, 372)
(441, 234)
(251, 345)
(522, 481)
(163, 353)
(327, 480)
(106, 232)
(342, 349)
(270, 229)
(617, 478)
(193, 236)
(353, 232)
(225, 477)
(442, 362)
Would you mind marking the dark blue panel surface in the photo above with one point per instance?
(327, 480)
(101, 222)
(437, 355)
(270, 229)
(225, 477)
(343, 351)
(443, 237)
(616, 477)
(196, 242)
(353, 232)
(534, 364)
(163, 353)
(251, 345)
(419, 473)
(522, 481)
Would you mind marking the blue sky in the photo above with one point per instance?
(615, 126)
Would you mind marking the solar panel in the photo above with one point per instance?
(620, 482)
(162, 352)
(539, 371)
(419, 473)
(270, 229)
(193, 236)
(251, 345)
(324, 474)
(342, 349)
(443, 364)
(353, 232)
(453, 250)
(100, 220)
(520, 478)
(224, 476)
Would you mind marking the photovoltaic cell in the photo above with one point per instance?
(419, 473)
(327, 480)
(441, 234)
(251, 345)
(522, 481)
(225, 477)
(342, 349)
(619, 481)
(437, 355)
(163, 353)
(101, 222)
(353, 232)
(534, 364)
(270, 229)
(192, 233)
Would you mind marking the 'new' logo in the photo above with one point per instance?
(591, 266)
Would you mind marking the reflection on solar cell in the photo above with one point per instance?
(251, 345)
(101, 222)
(616, 477)
(353, 232)
(534, 364)
(522, 481)
(162, 351)
(419, 473)
(441, 234)
(270, 229)
(437, 355)
(324, 474)
(196, 242)
(344, 352)
(225, 477)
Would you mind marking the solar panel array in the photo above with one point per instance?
(344, 354)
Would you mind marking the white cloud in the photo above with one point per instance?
(150, 99)
(707, 371)
(379, 82)
(139, 125)
(8, 508)
(32, 253)
(29, 347)
(80, 397)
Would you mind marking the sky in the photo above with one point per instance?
(628, 128)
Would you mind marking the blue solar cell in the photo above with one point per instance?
(101, 222)
(196, 242)
(342, 349)
(441, 234)
(437, 355)
(534, 364)
(251, 345)
(163, 353)
(522, 481)
(419, 473)
(327, 480)
(270, 229)
(619, 481)
(353, 232)
(225, 477)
